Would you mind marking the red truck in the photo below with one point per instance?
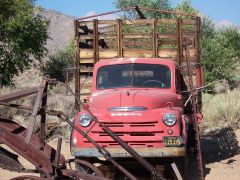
(140, 86)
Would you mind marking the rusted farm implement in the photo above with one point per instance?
(48, 161)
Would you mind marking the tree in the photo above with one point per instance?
(156, 4)
(220, 49)
(185, 6)
(23, 35)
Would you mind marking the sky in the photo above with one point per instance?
(223, 12)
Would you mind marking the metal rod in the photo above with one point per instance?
(141, 15)
(176, 171)
(120, 38)
(43, 116)
(155, 39)
(58, 152)
(107, 13)
(95, 41)
(35, 111)
(17, 95)
(77, 65)
(180, 41)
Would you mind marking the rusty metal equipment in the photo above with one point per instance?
(48, 161)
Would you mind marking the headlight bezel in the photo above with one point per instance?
(167, 116)
(80, 118)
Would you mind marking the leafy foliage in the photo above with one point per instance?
(23, 35)
(220, 50)
(156, 4)
(57, 64)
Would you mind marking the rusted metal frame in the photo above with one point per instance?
(78, 175)
(95, 41)
(107, 13)
(23, 107)
(129, 149)
(30, 177)
(134, 8)
(120, 38)
(141, 15)
(198, 47)
(101, 149)
(43, 114)
(58, 152)
(35, 111)
(17, 95)
(195, 112)
(77, 65)
(180, 41)
(28, 151)
(155, 38)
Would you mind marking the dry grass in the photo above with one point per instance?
(57, 100)
(221, 110)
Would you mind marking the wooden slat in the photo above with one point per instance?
(167, 21)
(101, 36)
(85, 23)
(110, 22)
(138, 21)
(137, 36)
(167, 35)
(113, 53)
(189, 22)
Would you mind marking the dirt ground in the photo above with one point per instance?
(221, 150)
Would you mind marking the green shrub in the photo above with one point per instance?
(56, 66)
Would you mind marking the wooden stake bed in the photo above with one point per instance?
(147, 38)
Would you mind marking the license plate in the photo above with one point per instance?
(172, 141)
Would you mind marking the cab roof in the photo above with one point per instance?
(167, 62)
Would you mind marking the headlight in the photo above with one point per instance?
(169, 119)
(84, 120)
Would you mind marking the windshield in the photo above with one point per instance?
(134, 75)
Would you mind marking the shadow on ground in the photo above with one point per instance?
(219, 145)
(216, 146)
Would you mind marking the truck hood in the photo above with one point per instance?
(149, 98)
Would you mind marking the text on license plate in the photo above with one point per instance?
(172, 140)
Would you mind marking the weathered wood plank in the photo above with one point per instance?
(113, 53)
(137, 36)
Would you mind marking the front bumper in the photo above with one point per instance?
(120, 153)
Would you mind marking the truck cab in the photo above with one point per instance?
(140, 100)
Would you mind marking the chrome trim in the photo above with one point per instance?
(126, 108)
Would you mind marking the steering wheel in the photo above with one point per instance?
(154, 81)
